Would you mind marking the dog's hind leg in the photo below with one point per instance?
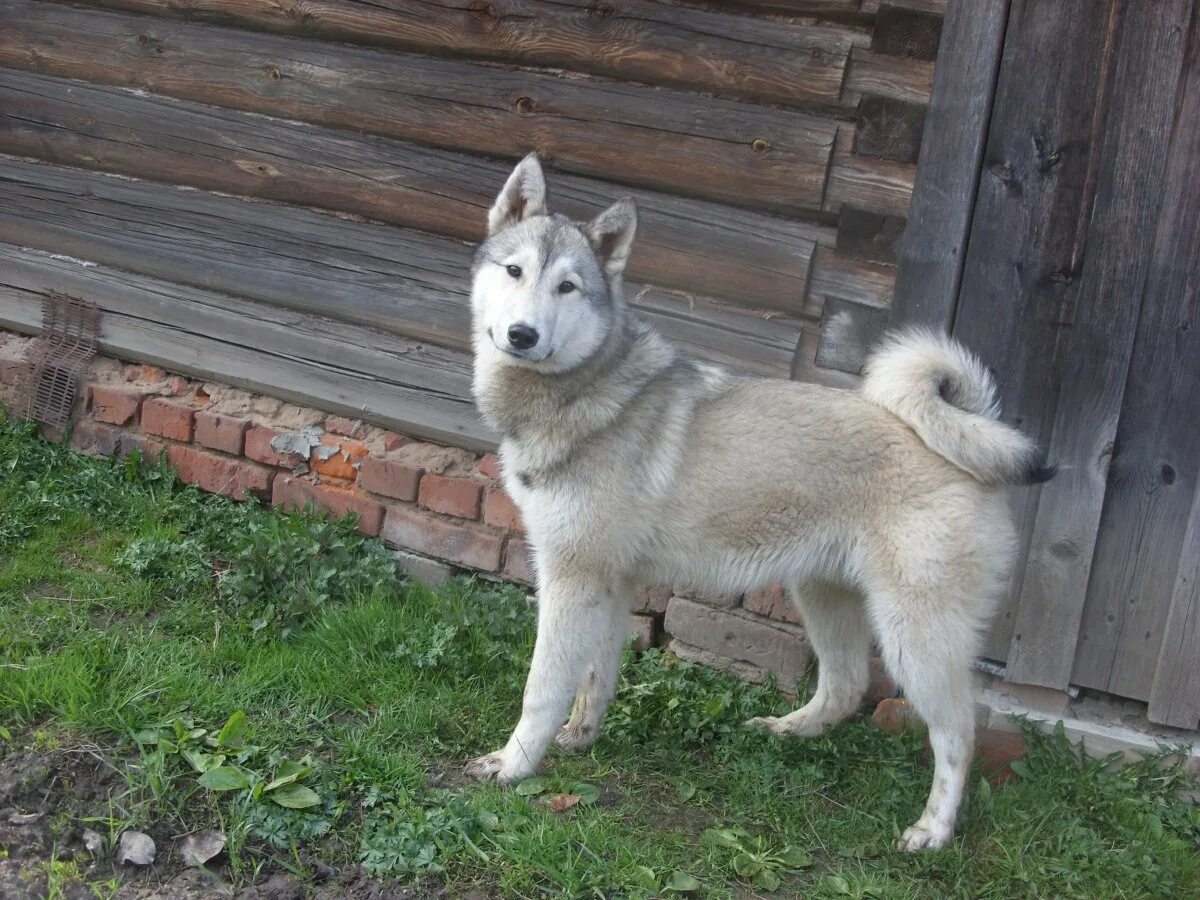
(573, 614)
(597, 689)
(836, 623)
(927, 647)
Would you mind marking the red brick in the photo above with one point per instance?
(741, 636)
(393, 441)
(499, 510)
(95, 438)
(773, 602)
(152, 374)
(391, 479)
(347, 427)
(894, 715)
(518, 561)
(258, 448)
(218, 474)
(115, 406)
(178, 386)
(490, 466)
(721, 601)
(997, 751)
(167, 419)
(474, 546)
(149, 448)
(343, 463)
(335, 501)
(224, 433)
(452, 496)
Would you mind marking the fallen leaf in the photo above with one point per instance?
(135, 848)
(197, 849)
(563, 802)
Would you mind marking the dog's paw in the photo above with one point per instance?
(575, 738)
(924, 836)
(485, 768)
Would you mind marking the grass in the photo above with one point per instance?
(147, 618)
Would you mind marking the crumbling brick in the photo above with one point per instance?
(452, 496)
(466, 544)
(167, 419)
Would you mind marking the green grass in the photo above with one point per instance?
(141, 615)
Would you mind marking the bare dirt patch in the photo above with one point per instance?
(50, 798)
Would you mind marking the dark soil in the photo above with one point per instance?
(46, 797)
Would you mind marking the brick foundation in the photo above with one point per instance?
(443, 509)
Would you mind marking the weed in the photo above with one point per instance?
(289, 567)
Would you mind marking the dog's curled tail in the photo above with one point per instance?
(948, 397)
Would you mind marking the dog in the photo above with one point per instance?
(882, 509)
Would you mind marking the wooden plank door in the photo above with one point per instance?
(1070, 288)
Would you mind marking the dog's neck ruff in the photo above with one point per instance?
(546, 413)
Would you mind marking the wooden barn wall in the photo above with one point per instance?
(1056, 232)
(283, 194)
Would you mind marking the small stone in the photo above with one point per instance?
(136, 848)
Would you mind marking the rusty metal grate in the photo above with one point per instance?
(70, 327)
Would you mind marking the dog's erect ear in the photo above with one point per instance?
(523, 195)
(611, 235)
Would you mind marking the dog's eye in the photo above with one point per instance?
(514, 271)
(566, 287)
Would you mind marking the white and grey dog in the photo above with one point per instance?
(883, 509)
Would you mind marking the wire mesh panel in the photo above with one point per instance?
(70, 327)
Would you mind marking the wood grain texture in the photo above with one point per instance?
(937, 7)
(876, 185)
(1020, 268)
(847, 278)
(778, 7)
(934, 247)
(1144, 549)
(691, 245)
(718, 149)
(889, 129)
(299, 357)
(791, 62)
(894, 77)
(869, 236)
(908, 32)
(1095, 353)
(400, 281)
(1174, 696)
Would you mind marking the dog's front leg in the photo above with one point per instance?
(572, 617)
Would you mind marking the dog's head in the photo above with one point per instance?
(545, 290)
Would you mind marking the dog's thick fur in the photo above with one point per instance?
(882, 509)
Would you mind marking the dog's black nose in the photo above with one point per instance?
(522, 336)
